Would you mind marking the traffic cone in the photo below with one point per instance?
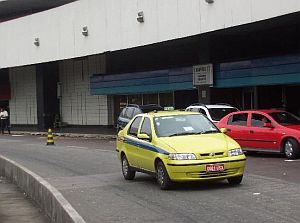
(50, 140)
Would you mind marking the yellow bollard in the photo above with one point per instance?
(50, 140)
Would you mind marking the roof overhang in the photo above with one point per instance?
(15, 8)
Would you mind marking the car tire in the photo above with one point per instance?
(291, 149)
(235, 180)
(127, 170)
(162, 176)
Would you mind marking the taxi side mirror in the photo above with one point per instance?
(223, 130)
(144, 136)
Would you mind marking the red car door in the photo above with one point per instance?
(263, 134)
(237, 128)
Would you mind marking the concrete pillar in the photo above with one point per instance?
(204, 91)
(204, 94)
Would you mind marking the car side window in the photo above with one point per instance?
(146, 127)
(122, 114)
(238, 119)
(136, 112)
(133, 130)
(194, 109)
(129, 112)
(258, 120)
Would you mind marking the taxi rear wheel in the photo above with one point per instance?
(162, 176)
(235, 180)
(127, 171)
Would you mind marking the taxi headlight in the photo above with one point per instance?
(182, 156)
(235, 152)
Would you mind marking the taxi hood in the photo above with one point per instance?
(202, 143)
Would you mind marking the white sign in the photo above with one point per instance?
(203, 74)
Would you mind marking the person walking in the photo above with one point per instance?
(4, 120)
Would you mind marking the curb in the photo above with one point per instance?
(49, 199)
(71, 135)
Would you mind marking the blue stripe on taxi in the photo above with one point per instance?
(145, 146)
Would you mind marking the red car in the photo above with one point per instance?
(264, 130)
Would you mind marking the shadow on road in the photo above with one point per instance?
(186, 186)
(264, 155)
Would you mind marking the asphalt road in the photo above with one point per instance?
(87, 172)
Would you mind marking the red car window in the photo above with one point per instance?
(258, 120)
(238, 119)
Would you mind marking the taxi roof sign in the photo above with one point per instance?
(170, 108)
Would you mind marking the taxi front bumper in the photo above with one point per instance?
(196, 170)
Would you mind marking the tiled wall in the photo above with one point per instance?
(78, 106)
(23, 106)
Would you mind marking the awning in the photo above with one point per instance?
(143, 82)
(256, 72)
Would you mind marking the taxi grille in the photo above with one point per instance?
(204, 174)
(211, 155)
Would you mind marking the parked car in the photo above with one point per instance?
(264, 130)
(178, 146)
(213, 112)
(132, 110)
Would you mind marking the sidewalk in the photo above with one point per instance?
(16, 208)
(84, 131)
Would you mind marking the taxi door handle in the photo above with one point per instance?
(251, 131)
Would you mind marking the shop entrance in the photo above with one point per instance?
(271, 97)
(47, 100)
(4, 104)
(292, 99)
(185, 98)
(4, 88)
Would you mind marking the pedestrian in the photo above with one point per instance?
(4, 120)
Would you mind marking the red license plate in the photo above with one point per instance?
(214, 167)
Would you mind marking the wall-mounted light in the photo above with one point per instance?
(209, 1)
(85, 31)
(36, 41)
(140, 17)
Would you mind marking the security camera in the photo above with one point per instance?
(85, 31)
(140, 17)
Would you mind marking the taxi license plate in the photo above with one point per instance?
(214, 167)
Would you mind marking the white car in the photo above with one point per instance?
(213, 112)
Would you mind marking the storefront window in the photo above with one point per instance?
(150, 99)
(135, 99)
(166, 99)
(122, 101)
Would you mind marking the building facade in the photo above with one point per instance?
(83, 61)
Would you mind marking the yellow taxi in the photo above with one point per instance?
(178, 146)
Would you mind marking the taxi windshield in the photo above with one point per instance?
(178, 125)
(285, 118)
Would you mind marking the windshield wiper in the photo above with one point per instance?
(210, 131)
(185, 133)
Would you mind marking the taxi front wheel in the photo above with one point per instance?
(127, 171)
(235, 180)
(162, 176)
